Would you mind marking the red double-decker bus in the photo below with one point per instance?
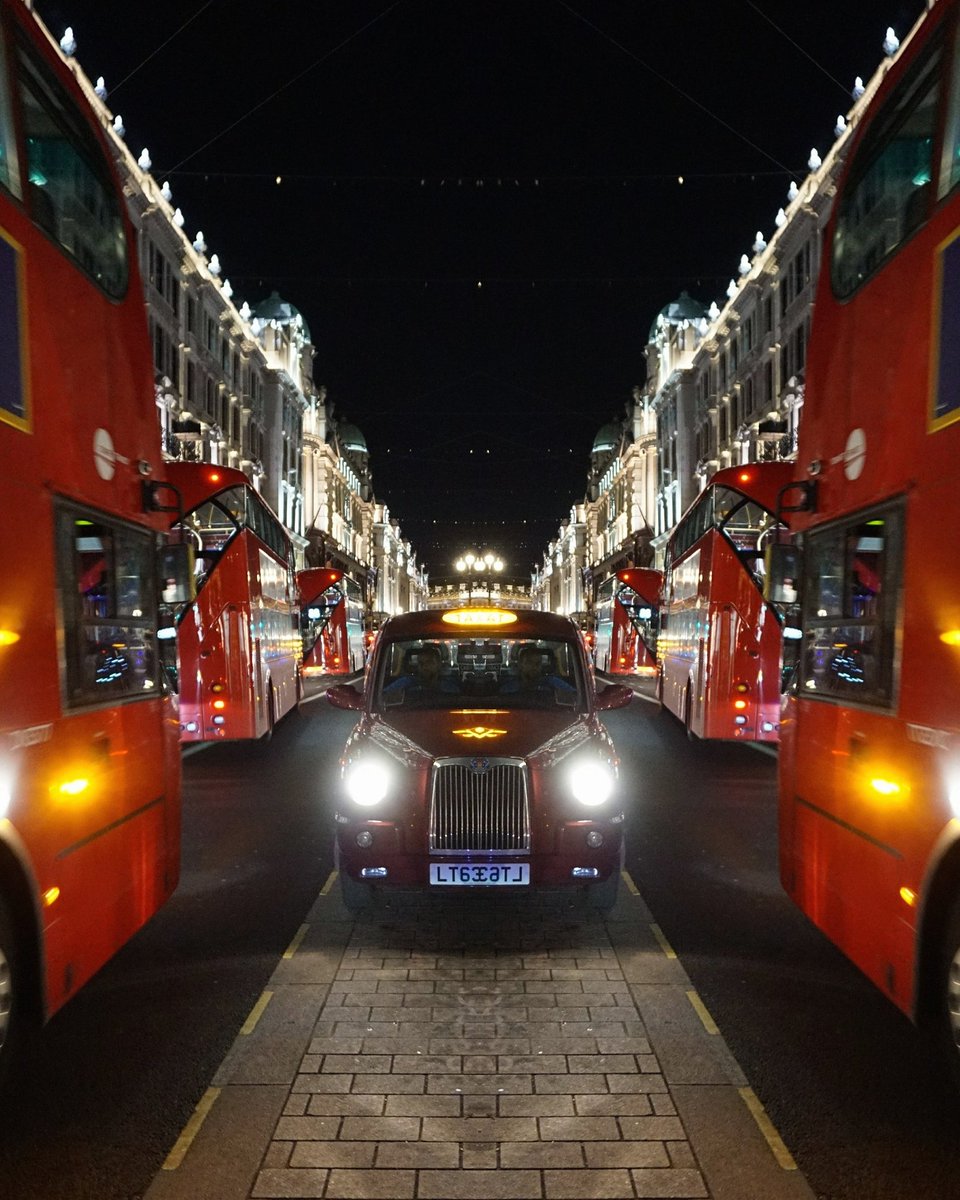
(626, 622)
(238, 643)
(720, 642)
(89, 760)
(870, 753)
(331, 622)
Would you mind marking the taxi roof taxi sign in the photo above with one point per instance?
(479, 616)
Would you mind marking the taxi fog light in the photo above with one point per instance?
(594, 839)
(591, 783)
(367, 783)
(364, 839)
(373, 872)
(585, 872)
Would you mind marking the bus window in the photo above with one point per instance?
(852, 577)
(107, 573)
(888, 194)
(70, 196)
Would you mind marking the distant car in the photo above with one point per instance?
(479, 760)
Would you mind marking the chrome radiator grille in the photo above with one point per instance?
(479, 804)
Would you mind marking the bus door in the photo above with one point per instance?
(842, 816)
(111, 766)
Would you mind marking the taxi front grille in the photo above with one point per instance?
(479, 804)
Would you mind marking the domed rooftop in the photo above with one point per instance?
(608, 438)
(351, 438)
(275, 308)
(684, 308)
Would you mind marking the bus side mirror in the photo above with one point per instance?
(783, 566)
(176, 570)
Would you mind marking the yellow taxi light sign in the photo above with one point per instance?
(464, 617)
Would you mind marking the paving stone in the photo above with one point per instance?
(333, 1154)
(286, 1183)
(479, 1185)
(658, 1128)
(626, 1154)
(480, 1156)
(371, 1185)
(587, 1185)
(325, 1103)
(278, 1154)
(295, 1129)
(420, 1106)
(635, 1105)
(656, 1184)
(535, 1106)
(419, 1155)
(382, 1129)
(541, 1154)
(479, 1129)
(578, 1129)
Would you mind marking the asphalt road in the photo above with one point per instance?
(847, 1081)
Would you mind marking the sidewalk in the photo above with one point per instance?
(483, 1048)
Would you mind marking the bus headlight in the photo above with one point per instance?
(591, 783)
(367, 782)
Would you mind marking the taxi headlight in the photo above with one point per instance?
(367, 783)
(591, 783)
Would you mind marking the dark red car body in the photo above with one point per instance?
(476, 783)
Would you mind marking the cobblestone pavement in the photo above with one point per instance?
(479, 1047)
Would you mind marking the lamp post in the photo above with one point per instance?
(474, 565)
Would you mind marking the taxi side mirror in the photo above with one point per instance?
(344, 695)
(614, 695)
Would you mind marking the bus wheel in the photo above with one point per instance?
(356, 896)
(948, 996)
(11, 994)
(603, 896)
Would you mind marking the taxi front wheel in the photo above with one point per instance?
(603, 896)
(12, 1028)
(356, 896)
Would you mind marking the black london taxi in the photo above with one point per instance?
(479, 760)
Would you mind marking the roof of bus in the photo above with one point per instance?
(645, 581)
(759, 481)
(314, 581)
(527, 623)
(197, 481)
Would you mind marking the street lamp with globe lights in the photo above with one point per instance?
(478, 569)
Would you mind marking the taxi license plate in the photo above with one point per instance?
(480, 874)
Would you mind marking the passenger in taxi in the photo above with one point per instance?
(532, 678)
(424, 680)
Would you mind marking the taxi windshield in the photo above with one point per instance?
(445, 672)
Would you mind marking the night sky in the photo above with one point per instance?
(479, 211)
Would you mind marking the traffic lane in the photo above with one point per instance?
(119, 1070)
(851, 1085)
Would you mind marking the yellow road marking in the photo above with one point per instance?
(767, 1128)
(256, 1013)
(631, 886)
(701, 1010)
(331, 880)
(295, 944)
(664, 944)
(190, 1130)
